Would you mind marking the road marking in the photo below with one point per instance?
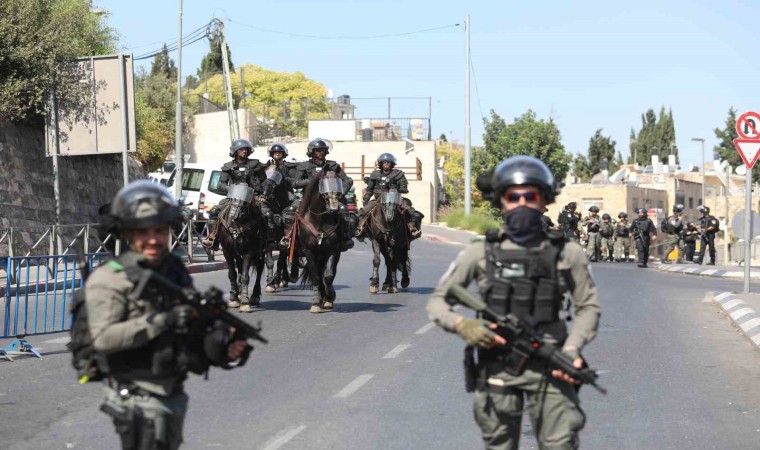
(396, 351)
(354, 386)
(425, 329)
(60, 340)
(284, 437)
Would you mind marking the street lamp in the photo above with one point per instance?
(703, 166)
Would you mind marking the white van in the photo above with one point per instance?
(200, 184)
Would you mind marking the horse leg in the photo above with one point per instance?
(271, 283)
(331, 269)
(315, 276)
(258, 264)
(404, 266)
(374, 281)
(390, 285)
(232, 276)
(282, 269)
(244, 277)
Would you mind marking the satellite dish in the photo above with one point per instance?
(737, 224)
(741, 170)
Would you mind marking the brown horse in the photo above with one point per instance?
(242, 235)
(390, 238)
(319, 236)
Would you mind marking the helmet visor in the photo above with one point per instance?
(330, 185)
(240, 193)
(274, 175)
(391, 197)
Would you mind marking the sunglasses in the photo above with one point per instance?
(514, 197)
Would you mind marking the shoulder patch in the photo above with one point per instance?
(115, 265)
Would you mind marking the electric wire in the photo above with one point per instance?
(477, 91)
(190, 38)
(311, 36)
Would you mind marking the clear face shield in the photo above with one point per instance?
(331, 188)
(240, 194)
(390, 201)
(274, 176)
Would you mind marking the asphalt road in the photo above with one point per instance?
(374, 374)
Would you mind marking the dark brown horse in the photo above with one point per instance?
(390, 238)
(319, 237)
(242, 235)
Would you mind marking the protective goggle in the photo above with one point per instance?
(514, 197)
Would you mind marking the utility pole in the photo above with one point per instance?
(704, 201)
(234, 130)
(178, 156)
(467, 155)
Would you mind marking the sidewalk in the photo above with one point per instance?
(710, 271)
(441, 233)
(742, 310)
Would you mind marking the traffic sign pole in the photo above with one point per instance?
(747, 228)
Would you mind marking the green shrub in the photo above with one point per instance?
(478, 221)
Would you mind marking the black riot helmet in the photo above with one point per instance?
(642, 211)
(386, 157)
(593, 208)
(704, 209)
(572, 206)
(143, 204)
(606, 216)
(678, 208)
(318, 144)
(523, 171)
(623, 215)
(240, 143)
(278, 148)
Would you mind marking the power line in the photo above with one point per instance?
(171, 48)
(477, 91)
(375, 36)
(187, 39)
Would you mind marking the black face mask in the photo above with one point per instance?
(522, 223)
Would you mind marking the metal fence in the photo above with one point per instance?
(393, 129)
(736, 250)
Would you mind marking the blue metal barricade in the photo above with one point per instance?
(38, 292)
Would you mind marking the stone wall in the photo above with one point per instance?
(26, 183)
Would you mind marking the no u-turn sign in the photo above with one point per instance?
(748, 143)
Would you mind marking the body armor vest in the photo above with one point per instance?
(672, 225)
(622, 230)
(593, 227)
(606, 229)
(525, 281)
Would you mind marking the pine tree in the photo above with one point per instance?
(163, 65)
(656, 133)
(213, 62)
(600, 148)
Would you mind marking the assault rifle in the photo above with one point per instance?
(209, 305)
(523, 342)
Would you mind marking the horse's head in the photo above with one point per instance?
(390, 201)
(240, 198)
(331, 188)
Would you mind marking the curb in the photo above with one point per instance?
(746, 318)
(716, 273)
(207, 267)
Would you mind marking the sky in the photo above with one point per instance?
(586, 64)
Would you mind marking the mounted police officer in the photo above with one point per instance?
(591, 224)
(568, 221)
(546, 221)
(383, 179)
(644, 232)
(146, 341)
(304, 172)
(241, 170)
(708, 225)
(607, 233)
(623, 243)
(522, 270)
(675, 227)
(278, 190)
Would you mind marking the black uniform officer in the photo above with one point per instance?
(145, 340)
(317, 151)
(241, 170)
(644, 232)
(278, 190)
(568, 221)
(708, 226)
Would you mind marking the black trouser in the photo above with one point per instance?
(642, 247)
(689, 248)
(707, 239)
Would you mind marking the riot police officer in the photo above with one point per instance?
(383, 179)
(644, 232)
(591, 224)
(241, 170)
(146, 342)
(278, 191)
(708, 225)
(607, 233)
(623, 244)
(690, 236)
(674, 226)
(533, 285)
(317, 151)
(568, 221)
(546, 221)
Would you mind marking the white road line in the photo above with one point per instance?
(396, 351)
(284, 437)
(354, 386)
(425, 329)
(60, 340)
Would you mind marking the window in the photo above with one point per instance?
(191, 179)
(700, 202)
(635, 204)
(213, 182)
(691, 202)
(660, 204)
(588, 202)
(680, 198)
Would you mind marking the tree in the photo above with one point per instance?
(656, 133)
(163, 65)
(443, 138)
(600, 148)
(213, 62)
(39, 40)
(525, 136)
(453, 165)
(582, 168)
(726, 149)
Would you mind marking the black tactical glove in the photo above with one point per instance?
(179, 318)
